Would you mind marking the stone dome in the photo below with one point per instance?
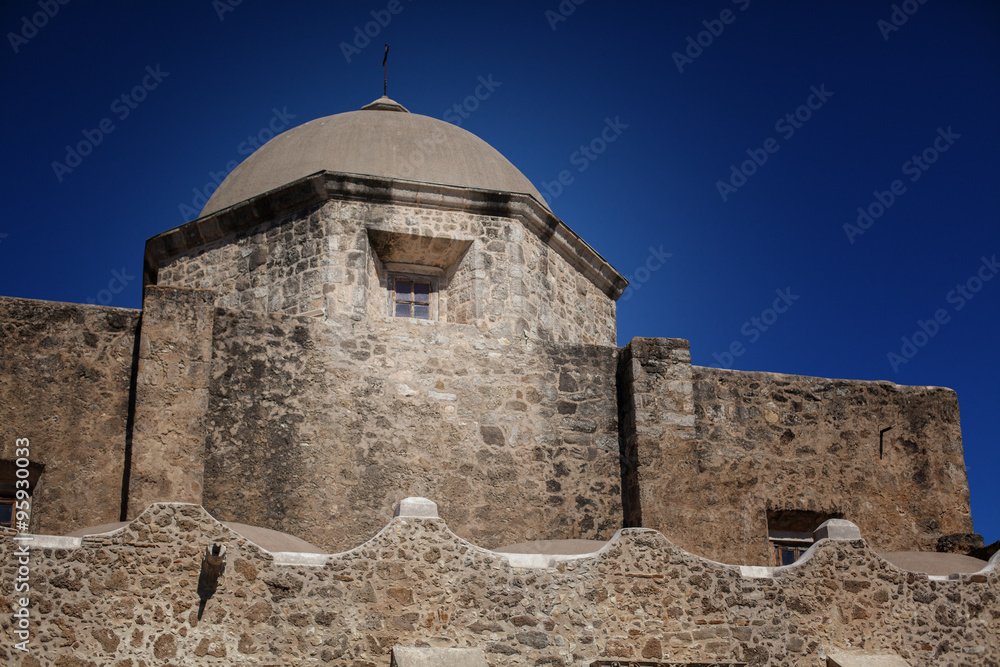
(382, 139)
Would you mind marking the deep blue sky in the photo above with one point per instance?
(655, 186)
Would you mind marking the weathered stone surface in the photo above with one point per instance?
(316, 427)
(65, 372)
(321, 260)
(641, 599)
(710, 454)
(172, 393)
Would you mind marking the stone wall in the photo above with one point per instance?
(131, 598)
(65, 373)
(172, 387)
(716, 450)
(276, 266)
(319, 260)
(314, 428)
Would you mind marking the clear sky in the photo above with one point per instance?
(739, 138)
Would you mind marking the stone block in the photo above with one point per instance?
(420, 508)
(437, 657)
(837, 529)
(863, 659)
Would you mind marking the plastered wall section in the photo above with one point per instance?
(315, 428)
(716, 449)
(318, 262)
(130, 599)
(172, 397)
(64, 384)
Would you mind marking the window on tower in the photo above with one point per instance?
(412, 297)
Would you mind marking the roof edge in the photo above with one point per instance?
(323, 186)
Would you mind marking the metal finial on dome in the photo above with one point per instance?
(385, 72)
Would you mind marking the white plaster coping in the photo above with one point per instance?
(757, 572)
(861, 658)
(536, 561)
(299, 558)
(404, 656)
(50, 541)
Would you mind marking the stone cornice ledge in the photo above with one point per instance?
(326, 185)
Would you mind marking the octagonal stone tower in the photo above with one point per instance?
(377, 305)
(322, 219)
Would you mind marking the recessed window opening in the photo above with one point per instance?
(12, 481)
(790, 532)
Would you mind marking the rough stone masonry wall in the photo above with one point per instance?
(276, 266)
(713, 450)
(314, 428)
(794, 442)
(65, 372)
(319, 260)
(130, 599)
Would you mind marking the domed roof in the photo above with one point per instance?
(383, 139)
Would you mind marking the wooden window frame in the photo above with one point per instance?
(424, 275)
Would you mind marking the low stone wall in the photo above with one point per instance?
(132, 598)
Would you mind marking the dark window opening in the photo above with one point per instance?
(6, 512)
(786, 553)
(17, 482)
(411, 297)
(789, 532)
